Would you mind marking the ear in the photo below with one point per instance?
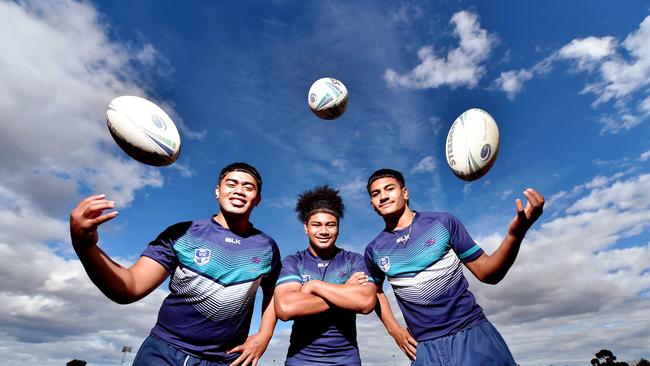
(405, 192)
(257, 200)
(216, 192)
(304, 224)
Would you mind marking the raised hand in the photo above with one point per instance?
(87, 216)
(527, 216)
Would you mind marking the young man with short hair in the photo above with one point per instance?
(216, 266)
(323, 287)
(420, 253)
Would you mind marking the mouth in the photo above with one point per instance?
(386, 204)
(237, 202)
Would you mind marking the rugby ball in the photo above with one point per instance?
(472, 144)
(328, 98)
(143, 130)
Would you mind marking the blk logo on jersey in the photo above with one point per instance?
(384, 263)
(233, 241)
(305, 278)
(202, 256)
(402, 239)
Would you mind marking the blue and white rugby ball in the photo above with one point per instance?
(472, 144)
(143, 130)
(328, 98)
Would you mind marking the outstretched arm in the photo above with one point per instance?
(493, 268)
(402, 336)
(290, 303)
(355, 295)
(120, 284)
(256, 344)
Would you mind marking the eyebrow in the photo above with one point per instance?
(243, 183)
(384, 187)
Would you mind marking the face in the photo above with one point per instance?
(322, 229)
(387, 197)
(237, 193)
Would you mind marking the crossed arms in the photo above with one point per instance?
(293, 300)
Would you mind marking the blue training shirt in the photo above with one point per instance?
(328, 338)
(215, 277)
(426, 274)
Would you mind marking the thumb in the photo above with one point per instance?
(235, 350)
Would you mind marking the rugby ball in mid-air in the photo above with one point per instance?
(143, 130)
(472, 144)
(328, 98)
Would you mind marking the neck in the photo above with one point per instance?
(237, 224)
(323, 253)
(399, 220)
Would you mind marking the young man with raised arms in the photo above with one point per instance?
(323, 287)
(420, 253)
(216, 266)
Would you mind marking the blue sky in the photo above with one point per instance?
(566, 83)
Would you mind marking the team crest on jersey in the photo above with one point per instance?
(305, 278)
(384, 263)
(202, 256)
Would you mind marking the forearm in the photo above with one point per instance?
(495, 266)
(385, 313)
(296, 304)
(267, 324)
(112, 279)
(357, 298)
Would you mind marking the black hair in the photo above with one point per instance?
(386, 173)
(319, 199)
(242, 167)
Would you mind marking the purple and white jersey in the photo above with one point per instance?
(426, 274)
(328, 338)
(215, 276)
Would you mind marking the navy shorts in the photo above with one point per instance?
(156, 352)
(476, 346)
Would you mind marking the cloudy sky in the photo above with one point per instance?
(568, 84)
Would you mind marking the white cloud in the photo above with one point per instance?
(572, 286)
(588, 50)
(622, 72)
(645, 156)
(426, 165)
(511, 82)
(59, 73)
(463, 66)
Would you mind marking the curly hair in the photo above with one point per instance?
(319, 199)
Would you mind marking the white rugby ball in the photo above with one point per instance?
(472, 144)
(328, 98)
(143, 130)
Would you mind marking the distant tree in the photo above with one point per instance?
(76, 362)
(605, 357)
(643, 362)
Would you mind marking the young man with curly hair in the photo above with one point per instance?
(323, 287)
(421, 254)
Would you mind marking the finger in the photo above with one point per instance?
(237, 361)
(409, 351)
(235, 350)
(95, 209)
(102, 219)
(531, 197)
(412, 341)
(538, 196)
(519, 206)
(255, 361)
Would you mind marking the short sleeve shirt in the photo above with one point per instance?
(328, 338)
(423, 265)
(215, 276)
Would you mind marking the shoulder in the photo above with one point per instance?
(295, 257)
(177, 230)
(445, 218)
(351, 255)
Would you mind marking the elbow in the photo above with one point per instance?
(491, 280)
(282, 311)
(368, 306)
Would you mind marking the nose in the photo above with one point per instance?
(239, 189)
